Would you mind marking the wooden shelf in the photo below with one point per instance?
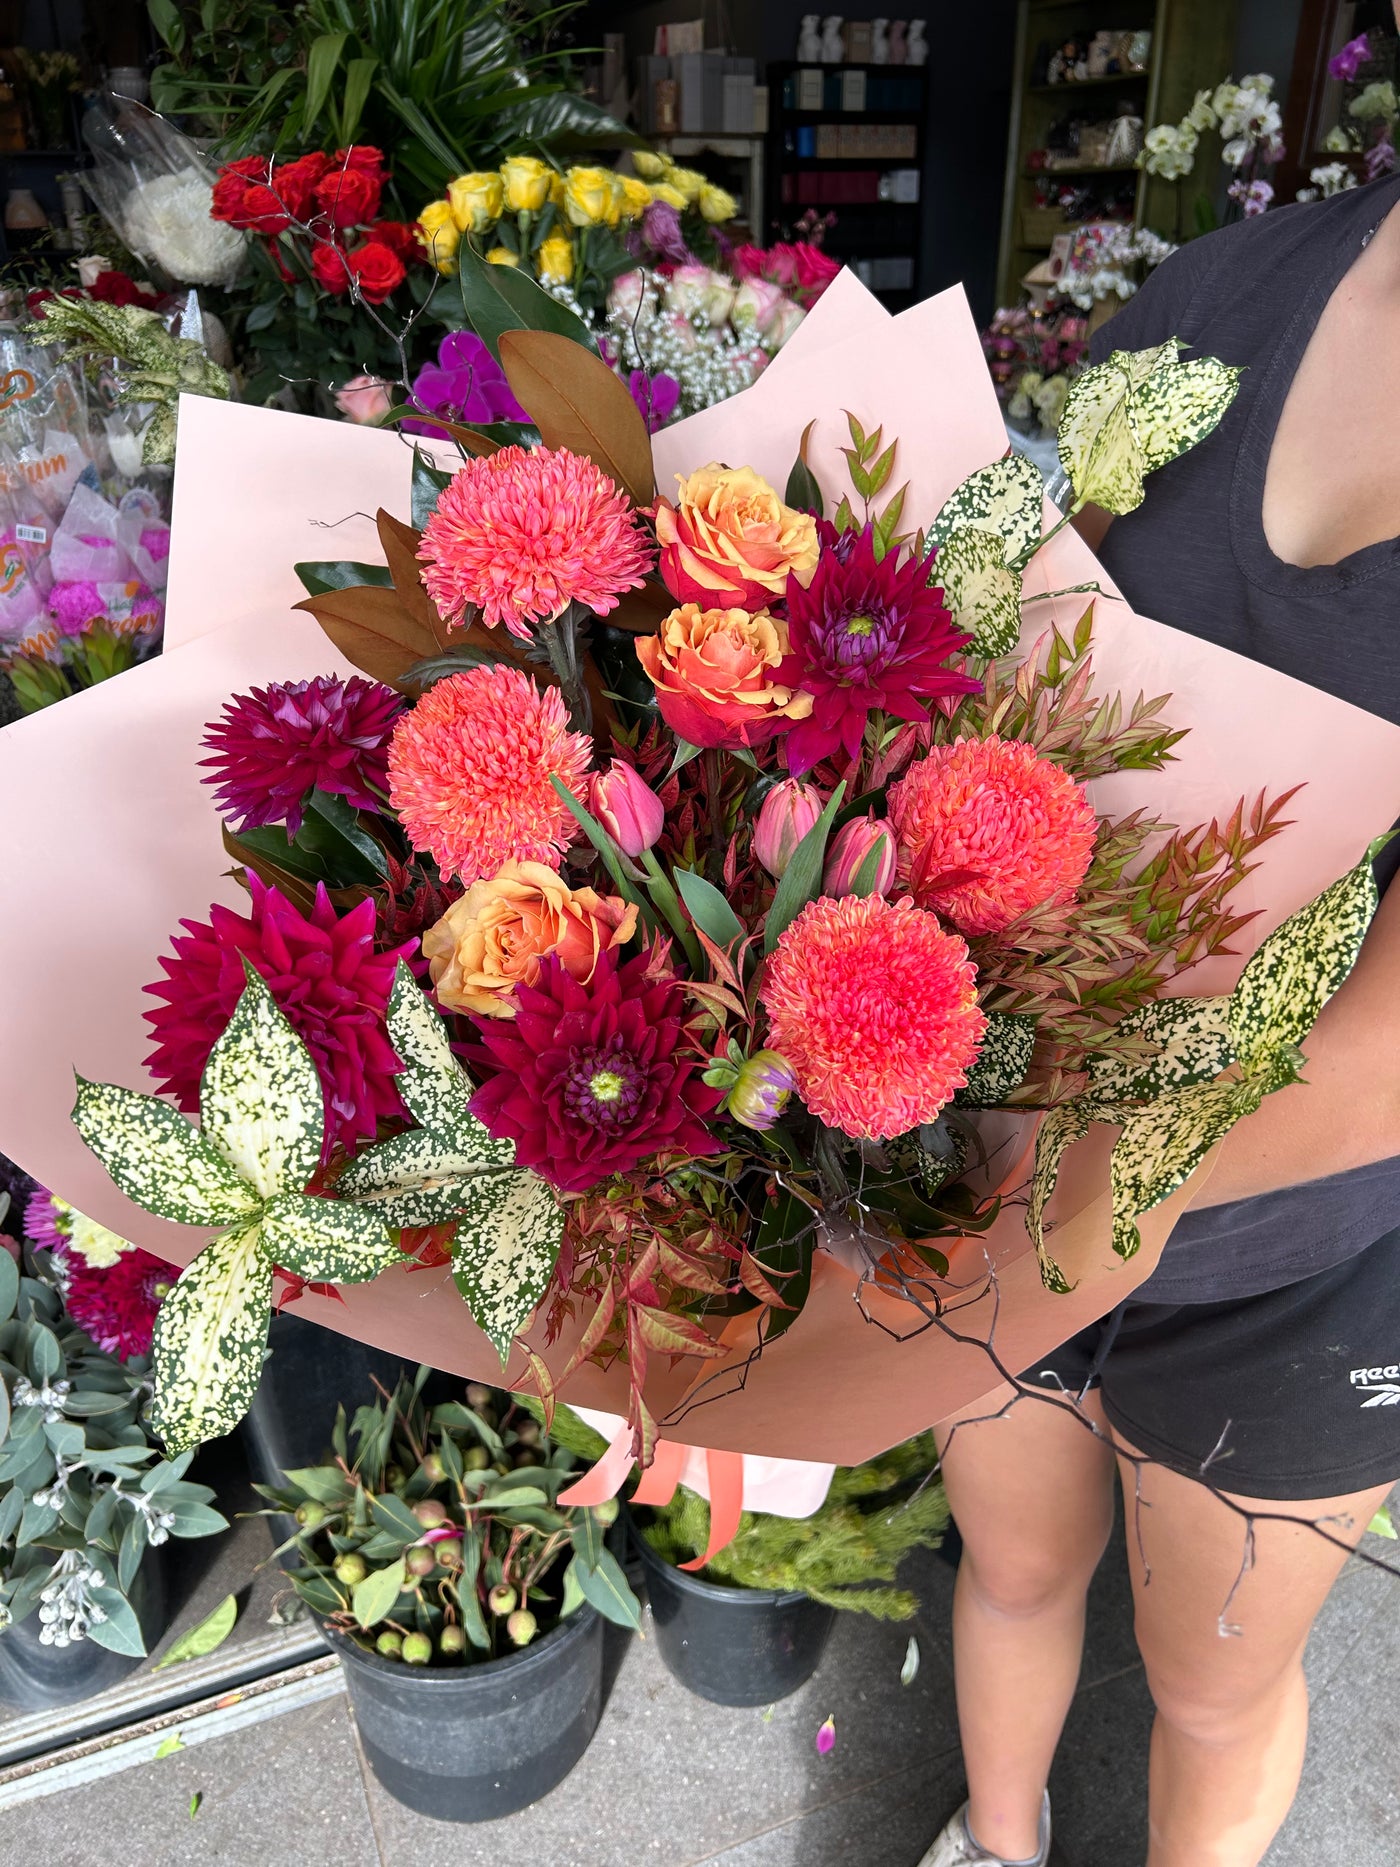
(1089, 84)
(1081, 168)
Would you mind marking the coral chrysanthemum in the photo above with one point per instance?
(470, 770)
(591, 1079)
(322, 970)
(117, 1307)
(987, 830)
(273, 744)
(521, 534)
(864, 634)
(875, 1008)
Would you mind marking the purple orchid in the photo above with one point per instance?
(656, 396)
(1346, 64)
(466, 384)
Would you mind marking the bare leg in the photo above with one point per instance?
(1232, 1708)
(1032, 1494)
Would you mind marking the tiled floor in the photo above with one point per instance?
(674, 1781)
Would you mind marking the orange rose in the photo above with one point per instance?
(730, 539)
(713, 673)
(495, 936)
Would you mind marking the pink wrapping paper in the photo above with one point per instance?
(103, 793)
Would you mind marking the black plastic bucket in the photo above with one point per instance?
(35, 1677)
(469, 1743)
(733, 1646)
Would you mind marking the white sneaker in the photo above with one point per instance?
(955, 1847)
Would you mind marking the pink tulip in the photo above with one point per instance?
(784, 818)
(627, 807)
(849, 848)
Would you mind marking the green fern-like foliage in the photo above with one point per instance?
(846, 1555)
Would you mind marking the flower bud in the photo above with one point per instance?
(522, 1627)
(784, 818)
(761, 1090)
(627, 807)
(849, 848)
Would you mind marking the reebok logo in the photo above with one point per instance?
(1380, 1385)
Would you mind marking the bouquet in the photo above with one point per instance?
(690, 888)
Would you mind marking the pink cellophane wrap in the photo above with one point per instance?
(109, 838)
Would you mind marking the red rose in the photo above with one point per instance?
(378, 269)
(243, 198)
(114, 288)
(295, 182)
(815, 269)
(349, 196)
(399, 236)
(362, 156)
(328, 262)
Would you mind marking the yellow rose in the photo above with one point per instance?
(439, 234)
(589, 196)
(494, 937)
(555, 259)
(525, 180)
(717, 204)
(636, 197)
(729, 539)
(502, 256)
(663, 191)
(648, 163)
(690, 182)
(556, 189)
(475, 200)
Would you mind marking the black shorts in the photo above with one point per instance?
(1299, 1388)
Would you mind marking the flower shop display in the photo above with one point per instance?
(1366, 68)
(1249, 124)
(466, 1604)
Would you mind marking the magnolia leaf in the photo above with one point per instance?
(374, 1597)
(981, 591)
(1134, 413)
(1001, 1063)
(507, 1241)
(1062, 1127)
(427, 485)
(1163, 1143)
(437, 1090)
(210, 1337)
(577, 402)
(1193, 1039)
(415, 1179)
(260, 1101)
(158, 1158)
(327, 1240)
(1007, 499)
(399, 543)
(210, 1633)
(371, 628)
(1300, 965)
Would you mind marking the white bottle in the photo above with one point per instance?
(809, 41)
(833, 46)
(879, 42)
(917, 53)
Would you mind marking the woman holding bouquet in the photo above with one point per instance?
(1261, 1354)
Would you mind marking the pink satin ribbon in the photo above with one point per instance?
(658, 1482)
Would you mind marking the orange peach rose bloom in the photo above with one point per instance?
(713, 673)
(729, 539)
(495, 936)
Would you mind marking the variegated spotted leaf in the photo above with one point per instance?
(1134, 413)
(1301, 964)
(1001, 1063)
(210, 1338)
(260, 1101)
(507, 1242)
(1098, 449)
(433, 1083)
(1164, 1142)
(982, 594)
(1062, 1127)
(1192, 1040)
(327, 1239)
(1178, 406)
(1007, 498)
(1139, 366)
(414, 1178)
(158, 1158)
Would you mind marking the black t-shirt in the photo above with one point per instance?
(1194, 555)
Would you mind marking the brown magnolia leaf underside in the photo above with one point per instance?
(643, 611)
(372, 628)
(400, 546)
(466, 438)
(577, 402)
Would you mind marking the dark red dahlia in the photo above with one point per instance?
(273, 744)
(116, 1306)
(589, 1079)
(865, 635)
(322, 970)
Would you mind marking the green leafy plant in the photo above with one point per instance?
(83, 1490)
(874, 1515)
(434, 1535)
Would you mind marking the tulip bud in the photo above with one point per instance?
(848, 850)
(761, 1089)
(784, 818)
(627, 807)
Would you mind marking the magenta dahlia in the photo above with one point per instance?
(322, 970)
(273, 744)
(865, 635)
(587, 1080)
(117, 1306)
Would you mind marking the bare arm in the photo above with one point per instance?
(1347, 1111)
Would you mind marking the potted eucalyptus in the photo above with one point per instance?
(87, 1502)
(466, 1604)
